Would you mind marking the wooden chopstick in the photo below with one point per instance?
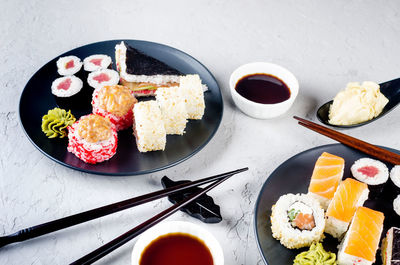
(79, 218)
(124, 238)
(367, 148)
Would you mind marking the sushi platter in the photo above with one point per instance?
(47, 90)
(298, 175)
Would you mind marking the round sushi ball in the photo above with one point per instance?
(297, 220)
(96, 62)
(370, 171)
(103, 77)
(396, 205)
(116, 103)
(92, 139)
(69, 65)
(66, 86)
(395, 176)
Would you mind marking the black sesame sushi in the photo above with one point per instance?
(372, 172)
(68, 91)
(96, 62)
(390, 252)
(68, 65)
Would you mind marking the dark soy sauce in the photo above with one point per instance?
(263, 88)
(176, 249)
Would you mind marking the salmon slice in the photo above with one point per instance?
(346, 199)
(328, 172)
(364, 234)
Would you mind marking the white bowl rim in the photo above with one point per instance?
(289, 100)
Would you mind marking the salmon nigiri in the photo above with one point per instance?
(350, 195)
(327, 174)
(361, 241)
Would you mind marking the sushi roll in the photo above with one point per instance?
(92, 139)
(115, 103)
(96, 62)
(68, 91)
(103, 77)
(372, 172)
(394, 181)
(390, 252)
(361, 242)
(194, 96)
(148, 126)
(68, 65)
(297, 220)
(396, 205)
(173, 109)
(326, 176)
(349, 195)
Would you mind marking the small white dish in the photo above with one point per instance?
(178, 227)
(259, 110)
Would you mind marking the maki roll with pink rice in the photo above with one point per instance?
(372, 172)
(96, 62)
(68, 65)
(68, 91)
(103, 77)
(115, 103)
(92, 139)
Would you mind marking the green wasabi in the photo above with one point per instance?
(56, 121)
(316, 255)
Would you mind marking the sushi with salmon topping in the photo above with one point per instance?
(361, 241)
(325, 179)
(93, 139)
(115, 103)
(349, 195)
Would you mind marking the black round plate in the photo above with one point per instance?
(37, 99)
(293, 176)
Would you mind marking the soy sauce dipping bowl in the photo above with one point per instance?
(259, 110)
(169, 227)
(391, 90)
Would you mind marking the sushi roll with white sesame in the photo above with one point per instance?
(92, 139)
(103, 77)
(96, 62)
(68, 65)
(297, 220)
(68, 91)
(372, 172)
(148, 126)
(173, 109)
(115, 103)
(194, 96)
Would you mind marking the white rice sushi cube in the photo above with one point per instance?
(173, 109)
(148, 126)
(194, 96)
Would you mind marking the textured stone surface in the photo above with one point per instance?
(324, 43)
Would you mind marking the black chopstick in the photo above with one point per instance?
(75, 219)
(124, 238)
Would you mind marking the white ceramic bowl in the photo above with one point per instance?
(259, 110)
(178, 227)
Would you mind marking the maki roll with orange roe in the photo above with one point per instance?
(92, 139)
(115, 103)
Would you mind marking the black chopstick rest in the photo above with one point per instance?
(203, 208)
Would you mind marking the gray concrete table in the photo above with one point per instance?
(324, 43)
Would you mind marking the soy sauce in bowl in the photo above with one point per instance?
(263, 88)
